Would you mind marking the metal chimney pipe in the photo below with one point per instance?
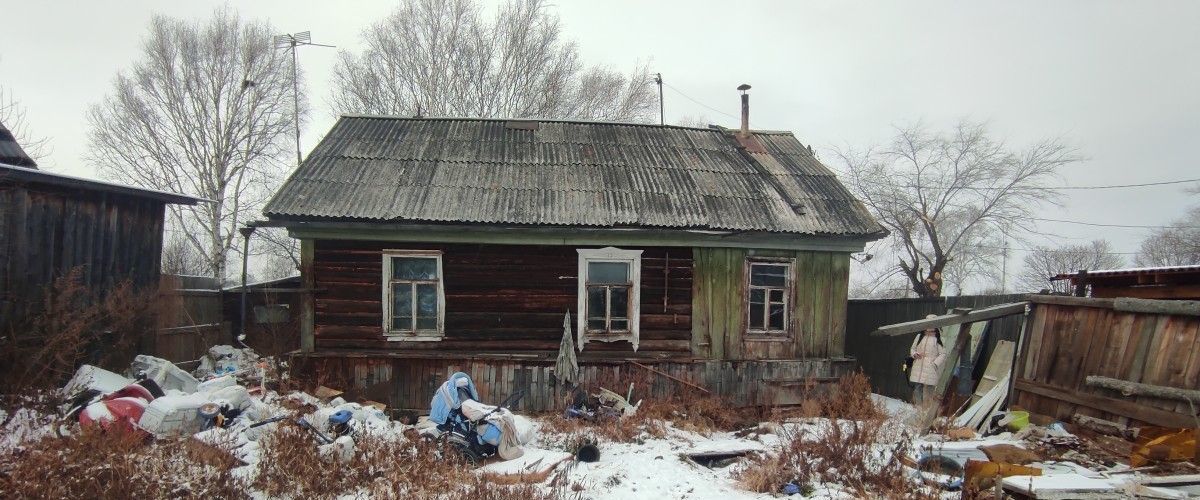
(745, 109)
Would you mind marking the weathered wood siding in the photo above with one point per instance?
(499, 298)
(408, 382)
(817, 314)
(1071, 338)
(46, 232)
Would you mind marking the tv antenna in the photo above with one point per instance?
(291, 41)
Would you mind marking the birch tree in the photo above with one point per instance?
(446, 58)
(945, 196)
(1044, 262)
(206, 110)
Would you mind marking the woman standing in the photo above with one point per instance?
(928, 354)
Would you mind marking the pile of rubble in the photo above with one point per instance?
(1029, 456)
(224, 401)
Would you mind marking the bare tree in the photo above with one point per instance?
(280, 253)
(206, 111)
(697, 121)
(1043, 262)
(443, 57)
(179, 257)
(12, 115)
(943, 195)
(1175, 245)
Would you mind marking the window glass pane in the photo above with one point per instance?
(756, 308)
(426, 300)
(425, 323)
(776, 296)
(620, 325)
(608, 272)
(776, 319)
(596, 324)
(401, 306)
(768, 275)
(595, 303)
(619, 302)
(414, 268)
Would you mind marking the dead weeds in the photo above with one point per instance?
(116, 464)
(852, 448)
(290, 466)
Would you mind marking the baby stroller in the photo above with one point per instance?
(475, 430)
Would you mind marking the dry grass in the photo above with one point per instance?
(290, 466)
(69, 324)
(117, 464)
(703, 415)
(852, 449)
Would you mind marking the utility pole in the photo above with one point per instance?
(1004, 269)
(661, 117)
(291, 41)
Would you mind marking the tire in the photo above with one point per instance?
(464, 450)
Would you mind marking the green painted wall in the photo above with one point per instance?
(817, 325)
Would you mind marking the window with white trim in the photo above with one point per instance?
(413, 295)
(609, 295)
(768, 296)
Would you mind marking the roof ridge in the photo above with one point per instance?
(548, 120)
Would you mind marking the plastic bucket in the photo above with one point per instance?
(1018, 421)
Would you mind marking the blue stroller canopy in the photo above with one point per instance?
(447, 398)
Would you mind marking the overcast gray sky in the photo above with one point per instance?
(1119, 80)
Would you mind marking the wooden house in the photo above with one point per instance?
(51, 224)
(431, 245)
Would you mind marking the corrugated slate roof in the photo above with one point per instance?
(567, 173)
(11, 152)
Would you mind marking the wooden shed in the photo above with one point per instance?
(434, 245)
(1163, 282)
(51, 224)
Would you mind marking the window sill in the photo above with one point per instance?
(759, 337)
(408, 337)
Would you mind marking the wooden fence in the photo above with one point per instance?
(1070, 338)
(880, 358)
(190, 319)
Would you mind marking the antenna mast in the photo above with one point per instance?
(291, 41)
(661, 116)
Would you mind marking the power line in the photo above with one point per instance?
(1127, 226)
(688, 97)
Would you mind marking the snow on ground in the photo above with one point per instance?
(657, 468)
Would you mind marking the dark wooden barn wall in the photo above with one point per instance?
(499, 298)
(45, 233)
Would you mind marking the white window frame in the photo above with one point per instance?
(789, 290)
(413, 335)
(609, 254)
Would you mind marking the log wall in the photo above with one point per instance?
(499, 298)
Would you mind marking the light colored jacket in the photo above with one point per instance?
(927, 368)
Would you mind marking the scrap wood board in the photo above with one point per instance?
(998, 366)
